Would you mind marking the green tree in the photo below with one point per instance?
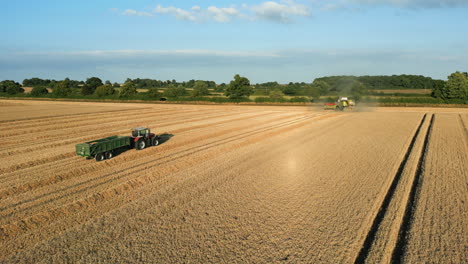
(173, 91)
(290, 89)
(312, 92)
(200, 88)
(128, 90)
(221, 87)
(456, 87)
(10, 87)
(104, 90)
(116, 85)
(90, 85)
(276, 95)
(153, 93)
(238, 88)
(86, 90)
(358, 90)
(62, 88)
(39, 90)
(322, 86)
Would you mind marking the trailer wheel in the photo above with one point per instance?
(141, 144)
(154, 141)
(109, 155)
(99, 157)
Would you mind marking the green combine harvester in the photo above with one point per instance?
(106, 148)
(340, 105)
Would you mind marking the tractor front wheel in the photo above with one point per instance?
(141, 144)
(99, 157)
(154, 141)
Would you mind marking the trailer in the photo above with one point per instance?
(103, 148)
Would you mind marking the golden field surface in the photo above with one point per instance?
(234, 184)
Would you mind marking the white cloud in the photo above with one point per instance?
(410, 3)
(223, 14)
(280, 12)
(177, 12)
(275, 11)
(131, 12)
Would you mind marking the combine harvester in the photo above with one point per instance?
(105, 148)
(340, 105)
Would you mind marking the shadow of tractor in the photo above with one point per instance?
(163, 138)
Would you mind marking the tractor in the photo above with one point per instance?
(142, 138)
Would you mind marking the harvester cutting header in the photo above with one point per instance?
(105, 148)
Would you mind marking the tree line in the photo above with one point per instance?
(240, 87)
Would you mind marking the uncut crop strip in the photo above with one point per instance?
(137, 183)
(380, 242)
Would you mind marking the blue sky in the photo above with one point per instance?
(280, 40)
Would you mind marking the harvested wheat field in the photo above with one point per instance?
(234, 184)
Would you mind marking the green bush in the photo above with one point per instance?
(270, 100)
(153, 93)
(104, 90)
(39, 91)
(299, 100)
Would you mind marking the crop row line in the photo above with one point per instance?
(400, 247)
(379, 217)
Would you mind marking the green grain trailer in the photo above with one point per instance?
(103, 148)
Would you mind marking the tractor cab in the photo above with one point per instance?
(140, 132)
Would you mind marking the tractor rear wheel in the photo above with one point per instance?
(154, 141)
(99, 157)
(141, 144)
(109, 155)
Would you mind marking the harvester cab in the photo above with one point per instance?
(142, 137)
